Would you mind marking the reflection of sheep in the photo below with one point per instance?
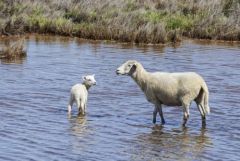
(79, 94)
(171, 89)
(183, 141)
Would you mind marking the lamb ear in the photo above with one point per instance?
(93, 75)
(134, 65)
(84, 77)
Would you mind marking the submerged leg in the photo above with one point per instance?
(69, 108)
(200, 108)
(78, 102)
(70, 104)
(203, 121)
(185, 113)
(83, 108)
(155, 111)
(200, 101)
(161, 114)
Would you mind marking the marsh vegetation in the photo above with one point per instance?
(13, 51)
(139, 21)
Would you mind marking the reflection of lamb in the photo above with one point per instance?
(171, 89)
(79, 94)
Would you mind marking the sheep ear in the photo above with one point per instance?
(93, 75)
(84, 77)
(133, 69)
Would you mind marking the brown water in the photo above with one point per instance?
(118, 126)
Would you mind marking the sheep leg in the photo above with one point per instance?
(71, 100)
(155, 111)
(185, 114)
(200, 108)
(203, 121)
(83, 108)
(161, 114)
(78, 102)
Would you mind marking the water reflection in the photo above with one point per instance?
(13, 61)
(217, 43)
(50, 39)
(80, 132)
(176, 143)
(12, 45)
(78, 125)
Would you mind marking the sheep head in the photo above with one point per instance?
(127, 68)
(89, 80)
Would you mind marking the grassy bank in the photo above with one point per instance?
(140, 21)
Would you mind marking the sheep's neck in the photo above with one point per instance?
(140, 77)
(87, 86)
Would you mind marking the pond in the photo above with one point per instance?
(118, 125)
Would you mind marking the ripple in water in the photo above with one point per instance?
(35, 91)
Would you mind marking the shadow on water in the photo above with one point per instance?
(174, 144)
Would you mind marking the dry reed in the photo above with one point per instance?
(140, 21)
(13, 51)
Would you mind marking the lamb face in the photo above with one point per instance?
(89, 80)
(127, 68)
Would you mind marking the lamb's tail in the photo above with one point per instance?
(206, 107)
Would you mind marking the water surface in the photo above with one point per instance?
(34, 93)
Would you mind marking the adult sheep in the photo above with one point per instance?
(171, 89)
(79, 94)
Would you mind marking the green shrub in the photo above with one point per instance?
(154, 16)
(130, 6)
(179, 22)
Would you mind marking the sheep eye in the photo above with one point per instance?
(129, 65)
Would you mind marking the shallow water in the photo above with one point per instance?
(118, 125)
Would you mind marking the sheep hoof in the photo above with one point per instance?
(184, 125)
(163, 122)
(154, 120)
(204, 124)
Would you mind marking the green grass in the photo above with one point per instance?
(155, 16)
(179, 22)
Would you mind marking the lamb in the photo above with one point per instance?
(170, 89)
(79, 94)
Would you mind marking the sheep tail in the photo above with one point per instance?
(206, 107)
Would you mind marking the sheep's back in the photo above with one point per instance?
(79, 91)
(189, 84)
(169, 88)
(188, 80)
